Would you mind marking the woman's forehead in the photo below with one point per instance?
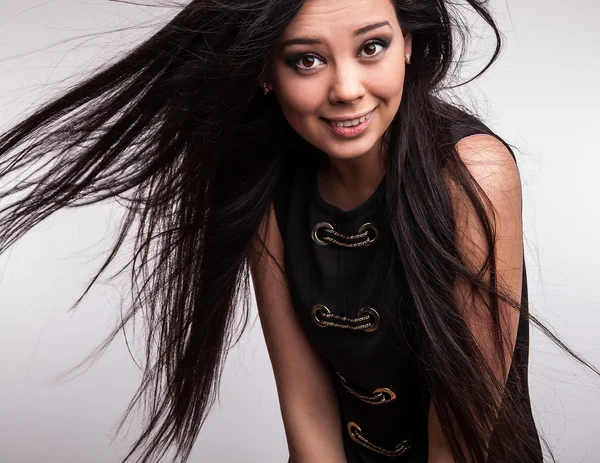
(318, 17)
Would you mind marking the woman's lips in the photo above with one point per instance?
(353, 131)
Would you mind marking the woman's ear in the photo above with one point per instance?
(408, 43)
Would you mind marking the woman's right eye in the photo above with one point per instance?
(303, 62)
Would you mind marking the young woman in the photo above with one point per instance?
(305, 142)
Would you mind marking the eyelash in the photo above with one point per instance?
(293, 60)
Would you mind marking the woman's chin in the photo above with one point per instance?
(350, 150)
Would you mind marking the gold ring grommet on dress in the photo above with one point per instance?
(316, 310)
(388, 394)
(356, 435)
(372, 313)
(316, 228)
(367, 319)
(371, 226)
(381, 395)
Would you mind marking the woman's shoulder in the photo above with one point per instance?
(471, 131)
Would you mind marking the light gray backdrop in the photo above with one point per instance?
(542, 96)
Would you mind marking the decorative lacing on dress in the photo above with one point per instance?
(381, 395)
(357, 436)
(324, 234)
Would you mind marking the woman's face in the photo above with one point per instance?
(341, 59)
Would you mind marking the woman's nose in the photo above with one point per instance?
(347, 85)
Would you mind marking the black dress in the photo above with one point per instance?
(337, 284)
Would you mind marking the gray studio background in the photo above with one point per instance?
(542, 96)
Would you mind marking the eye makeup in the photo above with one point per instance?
(293, 59)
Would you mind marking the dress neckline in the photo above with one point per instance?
(353, 213)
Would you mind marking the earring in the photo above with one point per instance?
(407, 55)
(265, 88)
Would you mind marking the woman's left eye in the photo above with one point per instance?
(372, 47)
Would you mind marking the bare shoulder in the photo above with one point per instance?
(491, 164)
(496, 174)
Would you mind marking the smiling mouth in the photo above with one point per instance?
(349, 122)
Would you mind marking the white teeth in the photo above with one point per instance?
(351, 123)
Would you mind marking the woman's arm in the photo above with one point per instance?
(306, 396)
(494, 169)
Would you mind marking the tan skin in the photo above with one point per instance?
(347, 73)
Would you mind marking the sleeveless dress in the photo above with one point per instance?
(335, 262)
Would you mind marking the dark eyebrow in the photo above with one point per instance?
(370, 27)
(315, 41)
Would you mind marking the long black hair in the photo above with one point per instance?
(179, 132)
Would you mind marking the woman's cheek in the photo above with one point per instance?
(304, 98)
(389, 80)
